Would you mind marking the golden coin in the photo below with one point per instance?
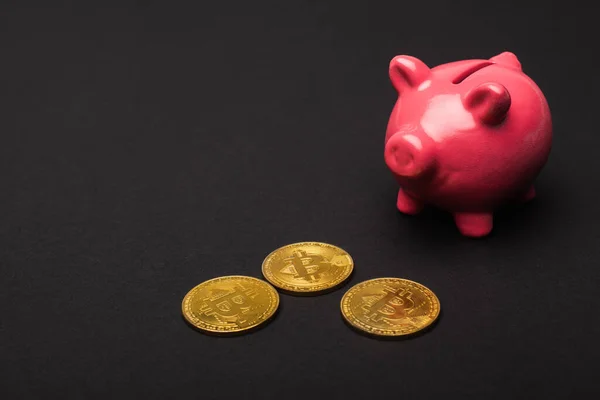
(390, 306)
(230, 304)
(307, 267)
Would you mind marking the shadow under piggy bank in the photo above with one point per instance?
(514, 220)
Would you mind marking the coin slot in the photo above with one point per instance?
(470, 71)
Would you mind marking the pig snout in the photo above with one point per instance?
(409, 155)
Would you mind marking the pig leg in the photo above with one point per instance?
(408, 204)
(474, 224)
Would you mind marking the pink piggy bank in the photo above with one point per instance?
(466, 137)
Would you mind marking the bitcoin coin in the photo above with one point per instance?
(230, 304)
(390, 307)
(307, 267)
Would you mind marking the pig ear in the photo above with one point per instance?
(507, 59)
(488, 102)
(407, 72)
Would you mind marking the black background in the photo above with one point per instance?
(148, 146)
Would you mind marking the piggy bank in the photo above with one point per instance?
(466, 137)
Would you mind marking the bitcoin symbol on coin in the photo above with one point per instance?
(395, 305)
(390, 306)
(307, 267)
(229, 306)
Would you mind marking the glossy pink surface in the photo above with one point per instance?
(467, 137)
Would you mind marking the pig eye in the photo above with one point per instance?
(470, 71)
